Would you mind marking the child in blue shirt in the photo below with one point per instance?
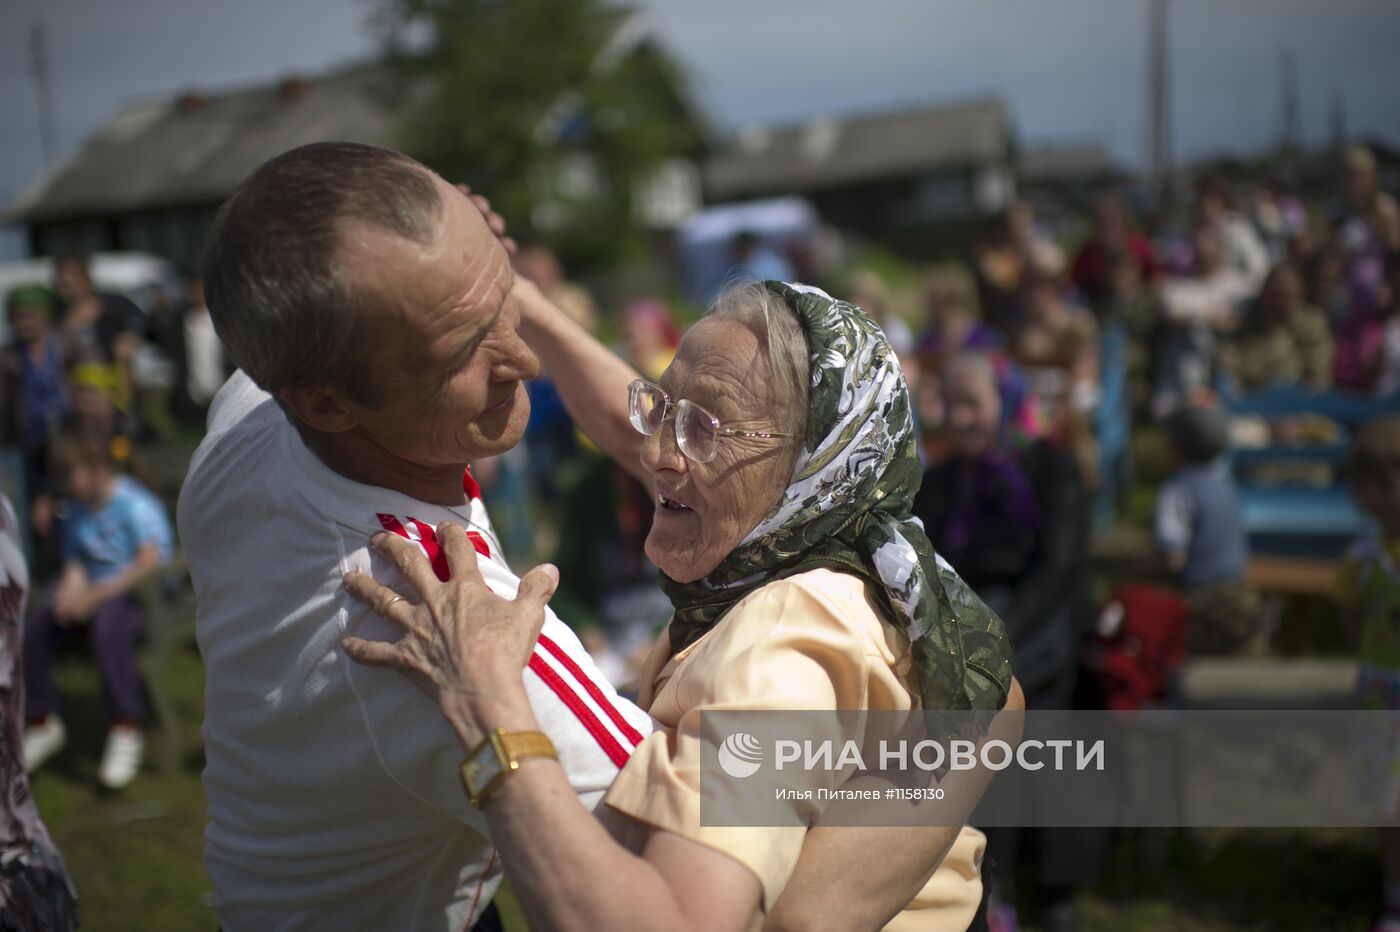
(1200, 534)
(117, 534)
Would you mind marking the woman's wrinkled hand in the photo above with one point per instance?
(463, 645)
(494, 221)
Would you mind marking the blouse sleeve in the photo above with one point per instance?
(787, 646)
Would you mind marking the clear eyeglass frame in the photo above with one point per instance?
(697, 430)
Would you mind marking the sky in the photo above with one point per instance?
(1071, 71)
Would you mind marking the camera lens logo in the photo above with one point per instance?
(740, 755)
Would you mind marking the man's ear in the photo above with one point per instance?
(320, 409)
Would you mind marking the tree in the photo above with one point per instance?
(520, 99)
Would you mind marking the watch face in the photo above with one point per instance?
(482, 769)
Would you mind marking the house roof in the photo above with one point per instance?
(195, 149)
(1067, 163)
(825, 152)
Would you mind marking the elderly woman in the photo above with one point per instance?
(781, 449)
(1009, 510)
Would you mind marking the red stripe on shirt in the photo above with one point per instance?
(436, 555)
(582, 712)
(616, 753)
(391, 523)
(598, 696)
(476, 897)
(480, 544)
(469, 484)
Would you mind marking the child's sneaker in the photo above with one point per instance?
(42, 740)
(121, 758)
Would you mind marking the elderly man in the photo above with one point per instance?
(376, 320)
(374, 315)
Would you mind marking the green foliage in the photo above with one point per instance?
(519, 99)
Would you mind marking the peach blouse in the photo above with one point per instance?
(810, 641)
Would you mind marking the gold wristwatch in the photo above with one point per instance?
(498, 756)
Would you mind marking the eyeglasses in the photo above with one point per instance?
(697, 430)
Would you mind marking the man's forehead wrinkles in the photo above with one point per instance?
(482, 283)
(477, 307)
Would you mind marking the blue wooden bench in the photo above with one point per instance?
(1298, 520)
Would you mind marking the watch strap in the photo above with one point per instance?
(522, 745)
(509, 748)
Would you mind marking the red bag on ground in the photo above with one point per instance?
(1140, 644)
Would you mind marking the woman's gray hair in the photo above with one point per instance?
(776, 325)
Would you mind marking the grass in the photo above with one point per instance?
(134, 855)
(1221, 880)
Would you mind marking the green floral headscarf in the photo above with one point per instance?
(847, 508)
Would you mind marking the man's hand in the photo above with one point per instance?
(461, 644)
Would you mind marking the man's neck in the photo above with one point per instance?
(356, 456)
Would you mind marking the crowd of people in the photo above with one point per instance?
(71, 422)
(1033, 365)
(1033, 362)
(1030, 362)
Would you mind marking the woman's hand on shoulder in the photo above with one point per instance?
(462, 644)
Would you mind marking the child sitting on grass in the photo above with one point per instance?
(1368, 589)
(117, 533)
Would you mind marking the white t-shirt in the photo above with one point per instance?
(334, 797)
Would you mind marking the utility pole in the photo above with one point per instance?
(1159, 129)
(39, 71)
(1337, 116)
(1290, 133)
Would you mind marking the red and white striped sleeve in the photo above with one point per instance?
(594, 729)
